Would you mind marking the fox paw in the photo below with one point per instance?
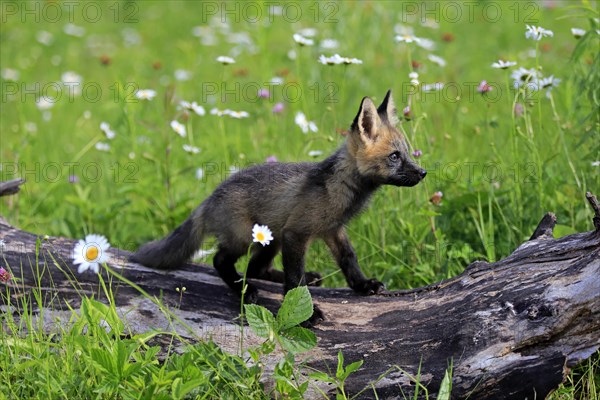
(369, 287)
(316, 318)
(313, 279)
(251, 295)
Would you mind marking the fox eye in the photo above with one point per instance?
(395, 156)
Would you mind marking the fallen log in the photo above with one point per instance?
(512, 329)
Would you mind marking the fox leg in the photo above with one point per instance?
(294, 248)
(261, 266)
(224, 262)
(261, 263)
(345, 256)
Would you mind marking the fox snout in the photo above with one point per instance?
(408, 175)
(416, 177)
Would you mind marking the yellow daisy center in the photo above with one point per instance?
(91, 253)
(260, 236)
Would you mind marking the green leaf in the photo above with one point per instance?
(260, 319)
(352, 367)
(296, 308)
(297, 339)
(445, 387)
(340, 365)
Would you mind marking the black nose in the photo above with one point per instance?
(422, 173)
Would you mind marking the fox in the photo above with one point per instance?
(298, 202)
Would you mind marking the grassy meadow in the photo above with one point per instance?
(92, 117)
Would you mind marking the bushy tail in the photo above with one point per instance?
(175, 249)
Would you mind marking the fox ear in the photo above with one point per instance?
(367, 121)
(387, 109)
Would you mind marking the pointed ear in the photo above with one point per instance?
(367, 121)
(387, 109)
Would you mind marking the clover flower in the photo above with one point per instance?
(484, 87)
(4, 275)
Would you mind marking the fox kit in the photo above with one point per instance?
(299, 202)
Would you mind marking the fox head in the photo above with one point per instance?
(380, 150)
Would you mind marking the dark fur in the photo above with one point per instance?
(298, 202)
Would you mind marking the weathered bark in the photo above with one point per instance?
(511, 329)
(11, 187)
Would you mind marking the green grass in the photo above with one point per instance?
(499, 173)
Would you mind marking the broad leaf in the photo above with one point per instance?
(260, 319)
(296, 308)
(297, 339)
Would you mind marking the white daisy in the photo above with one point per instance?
(261, 234)
(225, 60)
(432, 87)
(548, 82)
(503, 64)
(407, 38)
(44, 37)
(191, 149)
(105, 127)
(199, 173)
(304, 123)
(193, 106)
(308, 32)
(238, 114)
(426, 44)
(9, 74)
(437, 60)
(315, 153)
(523, 76)
(179, 128)
(303, 41)
(43, 103)
(595, 163)
(91, 252)
(537, 32)
(218, 113)
(329, 44)
(182, 75)
(414, 78)
(145, 94)
(74, 30)
(337, 59)
(102, 146)
(578, 33)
